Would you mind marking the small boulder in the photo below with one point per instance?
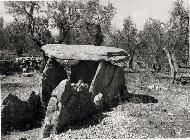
(18, 114)
(98, 101)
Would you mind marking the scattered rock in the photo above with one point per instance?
(3, 76)
(157, 86)
(164, 110)
(98, 101)
(184, 82)
(24, 70)
(18, 114)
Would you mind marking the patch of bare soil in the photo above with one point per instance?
(154, 108)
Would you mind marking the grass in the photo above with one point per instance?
(146, 113)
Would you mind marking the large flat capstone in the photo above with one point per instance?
(85, 52)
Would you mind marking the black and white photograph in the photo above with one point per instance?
(94, 69)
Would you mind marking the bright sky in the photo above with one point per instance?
(139, 10)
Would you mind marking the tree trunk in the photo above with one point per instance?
(131, 60)
(99, 37)
(19, 51)
(175, 66)
(172, 63)
(189, 50)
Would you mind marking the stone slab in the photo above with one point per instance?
(85, 52)
(109, 80)
(69, 104)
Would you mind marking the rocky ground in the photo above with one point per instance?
(154, 108)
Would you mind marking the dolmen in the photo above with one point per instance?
(78, 81)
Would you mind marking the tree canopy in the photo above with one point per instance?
(89, 22)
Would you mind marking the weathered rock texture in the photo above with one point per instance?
(84, 62)
(109, 80)
(98, 102)
(85, 52)
(18, 114)
(53, 74)
(69, 103)
(96, 66)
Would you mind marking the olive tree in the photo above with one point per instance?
(32, 15)
(81, 23)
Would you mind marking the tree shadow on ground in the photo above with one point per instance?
(139, 98)
(166, 77)
(183, 80)
(97, 118)
(131, 71)
(12, 85)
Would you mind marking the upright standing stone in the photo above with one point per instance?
(67, 105)
(53, 74)
(109, 81)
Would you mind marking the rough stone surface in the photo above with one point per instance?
(68, 104)
(98, 101)
(109, 80)
(18, 114)
(53, 74)
(96, 81)
(85, 52)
